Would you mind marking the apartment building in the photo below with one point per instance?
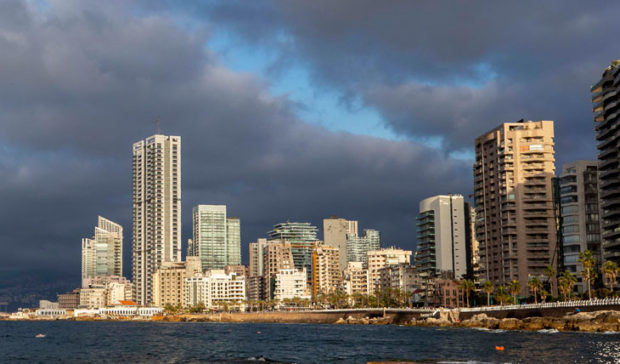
(606, 104)
(513, 190)
(156, 209)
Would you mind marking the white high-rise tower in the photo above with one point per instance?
(156, 209)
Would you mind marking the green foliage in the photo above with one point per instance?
(197, 308)
(566, 283)
(588, 265)
(514, 287)
(610, 271)
(488, 287)
(535, 284)
(467, 285)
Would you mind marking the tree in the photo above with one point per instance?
(566, 282)
(197, 308)
(550, 274)
(488, 288)
(535, 284)
(467, 285)
(514, 287)
(588, 273)
(543, 295)
(610, 271)
(502, 295)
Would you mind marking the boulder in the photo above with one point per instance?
(533, 323)
(510, 324)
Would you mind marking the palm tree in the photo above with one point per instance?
(566, 282)
(610, 271)
(514, 287)
(588, 263)
(550, 274)
(488, 288)
(543, 295)
(535, 284)
(501, 294)
(467, 285)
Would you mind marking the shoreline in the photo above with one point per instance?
(591, 321)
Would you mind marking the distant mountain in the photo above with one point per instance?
(26, 288)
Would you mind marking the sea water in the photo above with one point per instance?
(159, 342)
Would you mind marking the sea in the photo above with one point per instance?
(162, 342)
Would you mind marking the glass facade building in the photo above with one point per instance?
(216, 238)
(103, 254)
(359, 246)
(302, 236)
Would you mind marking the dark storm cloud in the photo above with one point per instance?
(447, 69)
(82, 81)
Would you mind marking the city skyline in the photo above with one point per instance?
(259, 142)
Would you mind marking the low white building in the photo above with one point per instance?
(214, 288)
(50, 312)
(290, 283)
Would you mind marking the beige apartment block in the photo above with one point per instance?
(378, 259)
(69, 300)
(156, 209)
(278, 255)
(335, 231)
(513, 189)
(356, 279)
(239, 269)
(169, 281)
(117, 288)
(215, 288)
(255, 288)
(326, 273)
(290, 284)
(401, 277)
(94, 297)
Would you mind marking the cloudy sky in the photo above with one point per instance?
(287, 109)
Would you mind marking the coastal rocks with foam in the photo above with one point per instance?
(597, 321)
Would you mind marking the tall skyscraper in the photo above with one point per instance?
(302, 236)
(443, 237)
(358, 246)
(606, 103)
(335, 231)
(217, 239)
(513, 189)
(103, 254)
(579, 211)
(156, 209)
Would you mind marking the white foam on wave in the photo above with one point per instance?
(548, 331)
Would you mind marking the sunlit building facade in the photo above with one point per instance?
(103, 254)
(515, 212)
(156, 209)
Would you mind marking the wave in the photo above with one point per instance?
(548, 331)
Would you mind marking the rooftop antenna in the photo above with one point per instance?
(158, 129)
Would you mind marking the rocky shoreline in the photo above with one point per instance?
(595, 321)
(592, 321)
